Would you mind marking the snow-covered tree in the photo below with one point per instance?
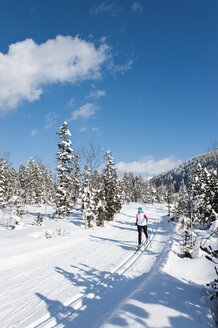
(161, 193)
(13, 183)
(100, 208)
(40, 186)
(4, 179)
(88, 201)
(76, 181)
(148, 195)
(22, 183)
(204, 194)
(46, 189)
(31, 181)
(64, 168)
(169, 196)
(126, 188)
(211, 254)
(111, 186)
(181, 203)
(187, 235)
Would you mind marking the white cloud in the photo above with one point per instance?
(137, 7)
(34, 132)
(83, 129)
(95, 129)
(85, 111)
(28, 67)
(50, 120)
(147, 165)
(120, 68)
(71, 103)
(106, 7)
(96, 94)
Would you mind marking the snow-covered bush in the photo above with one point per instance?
(39, 220)
(188, 237)
(212, 256)
(58, 232)
(88, 201)
(14, 221)
(100, 212)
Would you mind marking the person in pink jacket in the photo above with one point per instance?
(141, 222)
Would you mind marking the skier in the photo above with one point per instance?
(141, 223)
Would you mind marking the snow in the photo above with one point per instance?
(93, 278)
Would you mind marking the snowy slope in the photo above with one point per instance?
(94, 278)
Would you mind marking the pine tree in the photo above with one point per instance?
(31, 181)
(87, 201)
(50, 187)
(204, 194)
(22, 183)
(182, 201)
(209, 197)
(64, 168)
(161, 190)
(147, 192)
(153, 191)
(188, 237)
(111, 186)
(4, 179)
(169, 196)
(126, 188)
(101, 212)
(40, 185)
(13, 183)
(76, 182)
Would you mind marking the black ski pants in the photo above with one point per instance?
(145, 229)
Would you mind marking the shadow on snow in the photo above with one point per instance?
(103, 291)
(121, 243)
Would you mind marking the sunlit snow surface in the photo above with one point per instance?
(93, 278)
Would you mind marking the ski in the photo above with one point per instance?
(144, 246)
(138, 249)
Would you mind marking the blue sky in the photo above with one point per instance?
(138, 77)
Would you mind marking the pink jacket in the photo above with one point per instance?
(141, 219)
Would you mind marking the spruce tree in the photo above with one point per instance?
(182, 201)
(31, 181)
(100, 209)
(87, 201)
(147, 192)
(13, 183)
(112, 191)
(64, 168)
(169, 196)
(204, 193)
(39, 185)
(188, 237)
(4, 179)
(76, 181)
(126, 188)
(22, 183)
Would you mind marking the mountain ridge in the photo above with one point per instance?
(208, 160)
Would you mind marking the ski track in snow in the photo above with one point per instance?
(94, 278)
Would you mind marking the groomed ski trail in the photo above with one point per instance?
(95, 279)
(80, 305)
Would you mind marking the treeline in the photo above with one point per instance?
(101, 194)
(31, 184)
(180, 174)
